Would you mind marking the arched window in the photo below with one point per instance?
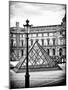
(48, 40)
(31, 42)
(48, 51)
(60, 51)
(54, 41)
(22, 42)
(22, 52)
(12, 42)
(39, 35)
(53, 51)
(42, 42)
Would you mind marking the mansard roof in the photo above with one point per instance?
(45, 26)
(15, 28)
(35, 29)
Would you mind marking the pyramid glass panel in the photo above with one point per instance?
(37, 56)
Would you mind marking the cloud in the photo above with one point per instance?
(20, 9)
(36, 12)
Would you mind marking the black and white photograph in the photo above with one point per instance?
(37, 44)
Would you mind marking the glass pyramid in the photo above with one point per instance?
(37, 58)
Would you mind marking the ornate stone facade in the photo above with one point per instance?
(52, 38)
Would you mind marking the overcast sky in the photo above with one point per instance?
(38, 14)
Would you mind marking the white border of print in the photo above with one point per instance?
(4, 43)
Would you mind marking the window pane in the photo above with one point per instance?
(23, 35)
(14, 43)
(40, 42)
(33, 35)
(29, 35)
(54, 41)
(14, 35)
(40, 35)
(29, 42)
(48, 51)
(50, 34)
(45, 34)
(48, 41)
(22, 52)
(20, 36)
(53, 51)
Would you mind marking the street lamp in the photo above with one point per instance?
(27, 70)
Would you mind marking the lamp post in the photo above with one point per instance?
(27, 70)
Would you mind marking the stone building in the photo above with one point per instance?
(52, 38)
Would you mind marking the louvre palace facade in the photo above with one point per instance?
(52, 38)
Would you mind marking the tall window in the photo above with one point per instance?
(44, 34)
(14, 43)
(11, 42)
(45, 42)
(60, 51)
(47, 34)
(40, 35)
(50, 34)
(22, 42)
(24, 35)
(48, 51)
(53, 41)
(48, 41)
(33, 35)
(20, 35)
(53, 51)
(29, 35)
(14, 35)
(31, 42)
(22, 52)
(42, 42)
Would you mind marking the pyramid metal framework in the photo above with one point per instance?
(37, 57)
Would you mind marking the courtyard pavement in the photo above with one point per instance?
(38, 79)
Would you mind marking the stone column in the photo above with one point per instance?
(63, 51)
(51, 52)
(57, 51)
